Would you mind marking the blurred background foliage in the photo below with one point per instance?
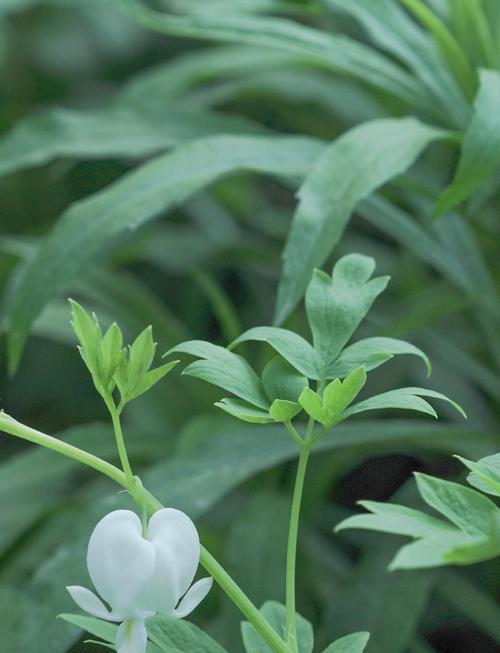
(87, 96)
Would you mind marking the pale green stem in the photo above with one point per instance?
(291, 555)
(145, 498)
(115, 411)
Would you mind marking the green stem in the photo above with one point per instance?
(13, 427)
(146, 499)
(291, 558)
(115, 412)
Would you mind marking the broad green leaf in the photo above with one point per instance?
(370, 353)
(336, 305)
(405, 398)
(485, 473)
(275, 614)
(360, 161)
(480, 155)
(171, 635)
(435, 552)
(393, 518)
(472, 512)
(93, 224)
(355, 643)
(112, 132)
(336, 52)
(244, 411)
(284, 411)
(224, 369)
(295, 349)
(282, 381)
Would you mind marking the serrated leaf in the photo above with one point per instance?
(360, 161)
(354, 643)
(295, 349)
(275, 614)
(336, 305)
(372, 352)
(245, 412)
(404, 398)
(284, 411)
(480, 155)
(472, 512)
(224, 369)
(485, 473)
(282, 381)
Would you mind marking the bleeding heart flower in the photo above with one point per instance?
(140, 576)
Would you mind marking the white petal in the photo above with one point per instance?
(164, 592)
(176, 536)
(132, 637)
(193, 597)
(89, 602)
(121, 563)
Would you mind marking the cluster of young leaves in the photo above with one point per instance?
(335, 307)
(111, 364)
(471, 534)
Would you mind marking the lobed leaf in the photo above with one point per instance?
(275, 614)
(351, 168)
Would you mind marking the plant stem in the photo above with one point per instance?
(120, 442)
(13, 427)
(291, 556)
(145, 499)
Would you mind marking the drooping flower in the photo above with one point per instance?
(140, 576)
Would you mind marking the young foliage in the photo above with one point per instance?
(110, 364)
(470, 534)
(485, 473)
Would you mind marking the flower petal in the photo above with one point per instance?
(121, 563)
(172, 532)
(193, 597)
(164, 592)
(92, 604)
(132, 636)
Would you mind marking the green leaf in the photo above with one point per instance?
(472, 512)
(433, 552)
(176, 635)
(275, 613)
(312, 403)
(244, 411)
(89, 335)
(339, 53)
(355, 643)
(224, 369)
(371, 353)
(485, 473)
(480, 156)
(282, 381)
(404, 398)
(295, 349)
(284, 411)
(116, 131)
(336, 305)
(97, 627)
(339, 394)
(150, 379)
(393, 518)
(90, 226)
(360, 161)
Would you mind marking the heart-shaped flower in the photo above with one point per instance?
(140, 576)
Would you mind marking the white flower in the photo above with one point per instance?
(142, 576)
